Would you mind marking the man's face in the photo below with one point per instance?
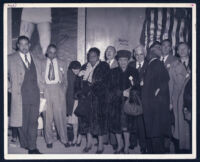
(166, 48)
(93, 58)
(157, 50)
(123, 62)
(139, 55)
(183, 50)
(24, 46)
(110, 53)
(51, 52)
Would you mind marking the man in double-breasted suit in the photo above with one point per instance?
(25, 84)
(175, 70)
(141, 65)
(55, 79)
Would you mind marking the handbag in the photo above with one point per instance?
(133, 109)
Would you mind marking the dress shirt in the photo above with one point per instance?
(110, 62)
(137, 64)
(23, 58)
(165, 58)
(55, 66)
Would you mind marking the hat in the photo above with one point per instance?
(123, 53)
(75, 65)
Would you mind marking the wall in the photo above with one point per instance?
(120, 27)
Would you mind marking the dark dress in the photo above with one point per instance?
(95, 101)
(156, 108)
(70, 91)
(118, 82)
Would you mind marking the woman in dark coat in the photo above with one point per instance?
(71, 100)
(93, 99)
(121, 80)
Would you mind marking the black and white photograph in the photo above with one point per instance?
(99, 81)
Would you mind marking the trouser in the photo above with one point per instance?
(44, 30)
(55, 112)
(155, 145)
(14, 132)
(28, 131)
(139, 133)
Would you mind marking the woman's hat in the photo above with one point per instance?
(123, 53)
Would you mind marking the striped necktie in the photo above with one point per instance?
(26, 60)
(51, 75)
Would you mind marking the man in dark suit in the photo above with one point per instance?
(25, 77)
(155, 101)
(140, 64)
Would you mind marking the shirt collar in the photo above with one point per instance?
(141, 63)
(164, 57)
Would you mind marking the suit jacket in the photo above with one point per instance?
(156, 108)
(62, 70)
(16, 73)
(142, 70)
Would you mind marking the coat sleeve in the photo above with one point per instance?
(9, 79)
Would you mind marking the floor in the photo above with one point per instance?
(59, 148)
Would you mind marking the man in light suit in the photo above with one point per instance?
(175, 70)
(25, 84)
(55, 77)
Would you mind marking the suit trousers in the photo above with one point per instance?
(55, 112)
(28, 131)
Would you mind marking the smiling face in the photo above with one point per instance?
(123, 62)
(183, 50)
(23, 46)
(110, 53)
(139, 55)
(76, 71)
(166, 48)
(93, 58)
(51, 52)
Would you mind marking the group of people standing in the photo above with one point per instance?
(93, 97)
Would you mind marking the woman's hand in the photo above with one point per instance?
(126, 93)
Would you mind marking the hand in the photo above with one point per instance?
(81, 73)
(141, 83)
(126, 93)
(157, 91)
(170, 107)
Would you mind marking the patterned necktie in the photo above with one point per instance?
(26, 60)
(162, 60)
(51, 75)
(184, 63)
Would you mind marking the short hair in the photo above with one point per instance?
(107, 49)
(183, 43)
(74, 65)
(140, 47)
(52, 46)
(95, 50)
(154, 44)
(167, 40)
(22, 37)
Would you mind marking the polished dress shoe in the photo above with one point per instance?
(50, 145)
(120, 151)
(114, 147)
(35, 151)
(87, 149)
(99, 151)
(67, 145)
(143, 151)
(78, 144)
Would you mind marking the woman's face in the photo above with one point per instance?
(93, 58)
(76, 71)
(123, 62)
(110, 53)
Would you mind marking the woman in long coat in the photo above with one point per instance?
(92, 96)
(121, 79)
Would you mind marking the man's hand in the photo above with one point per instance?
(141, 83)
(157, 91)
(187, 114)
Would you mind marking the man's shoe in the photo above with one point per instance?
(35, 151)
(67, 145)
(50, 145)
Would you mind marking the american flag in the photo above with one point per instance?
(167, 23)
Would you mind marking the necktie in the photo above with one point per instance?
(26, 60)
(51, 75)
(139, 67)
(162, 60)
(184, 63)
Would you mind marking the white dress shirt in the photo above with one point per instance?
(56, 72)
(165, 58)
(141, 64)
(23, 58)
(110, 62)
